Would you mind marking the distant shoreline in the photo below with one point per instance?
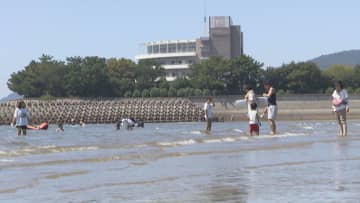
(293, 110)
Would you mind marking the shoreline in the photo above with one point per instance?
(288, 109)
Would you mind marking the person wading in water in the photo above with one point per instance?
(271, 109)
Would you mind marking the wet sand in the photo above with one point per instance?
(290, 110)
(177, 162)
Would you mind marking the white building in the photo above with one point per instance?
(176, 56)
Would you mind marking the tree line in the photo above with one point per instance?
(101, 77)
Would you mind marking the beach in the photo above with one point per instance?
(292, 107)
(178, 162)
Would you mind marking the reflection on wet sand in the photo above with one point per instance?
(282, 164)
(144, 182)
(59, 175)
(11, 190)
(156, 155)
(228, 188)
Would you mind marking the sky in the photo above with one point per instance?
(275, 32)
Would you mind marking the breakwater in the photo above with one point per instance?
(105, 110)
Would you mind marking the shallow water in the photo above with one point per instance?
(177, 162)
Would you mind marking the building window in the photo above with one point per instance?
(155, 49)
(149, 49)
(163, 48)
(172, 48)
(172, 62)
(220, 22)
(186, 47)
(190, 47)
(179, 62)
(181, 47)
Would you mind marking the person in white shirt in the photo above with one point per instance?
(21, 118)
(249, 96)
(208, 106)
(128, 123)
(254, 120)
(340, 105)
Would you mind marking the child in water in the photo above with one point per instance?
(254, 120)
(340, 106)
(21, 118)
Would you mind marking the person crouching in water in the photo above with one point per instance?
(254, 120)
(127, 123)
(21, 118)
(340, 105)
(208, 106)
(60, 127)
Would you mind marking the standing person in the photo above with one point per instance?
(271, 109)
(21, 118)
(249, 96)
(118, 124)
(208, 106)
(254, 120)
(340, 105)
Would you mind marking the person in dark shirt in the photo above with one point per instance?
(271, 109)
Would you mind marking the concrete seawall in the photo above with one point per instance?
(299, 107)
(105, 111)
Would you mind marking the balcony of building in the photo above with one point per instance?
(167, 49)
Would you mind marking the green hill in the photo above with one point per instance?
(12, 96)
(351, 57)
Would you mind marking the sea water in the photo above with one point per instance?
(179, 162)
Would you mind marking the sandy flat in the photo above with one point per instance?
(292, 110)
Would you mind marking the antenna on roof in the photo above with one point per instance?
(205, 19)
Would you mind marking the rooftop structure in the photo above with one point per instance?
(176, 56)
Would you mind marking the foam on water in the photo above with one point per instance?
(280, 135)
(197, 132)
(6, 160)
(202, 141)
(243, 138)
(212, 141)
(238, 130)
(47, 149)
(177, 143)
(228, 139)
(225, 139)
